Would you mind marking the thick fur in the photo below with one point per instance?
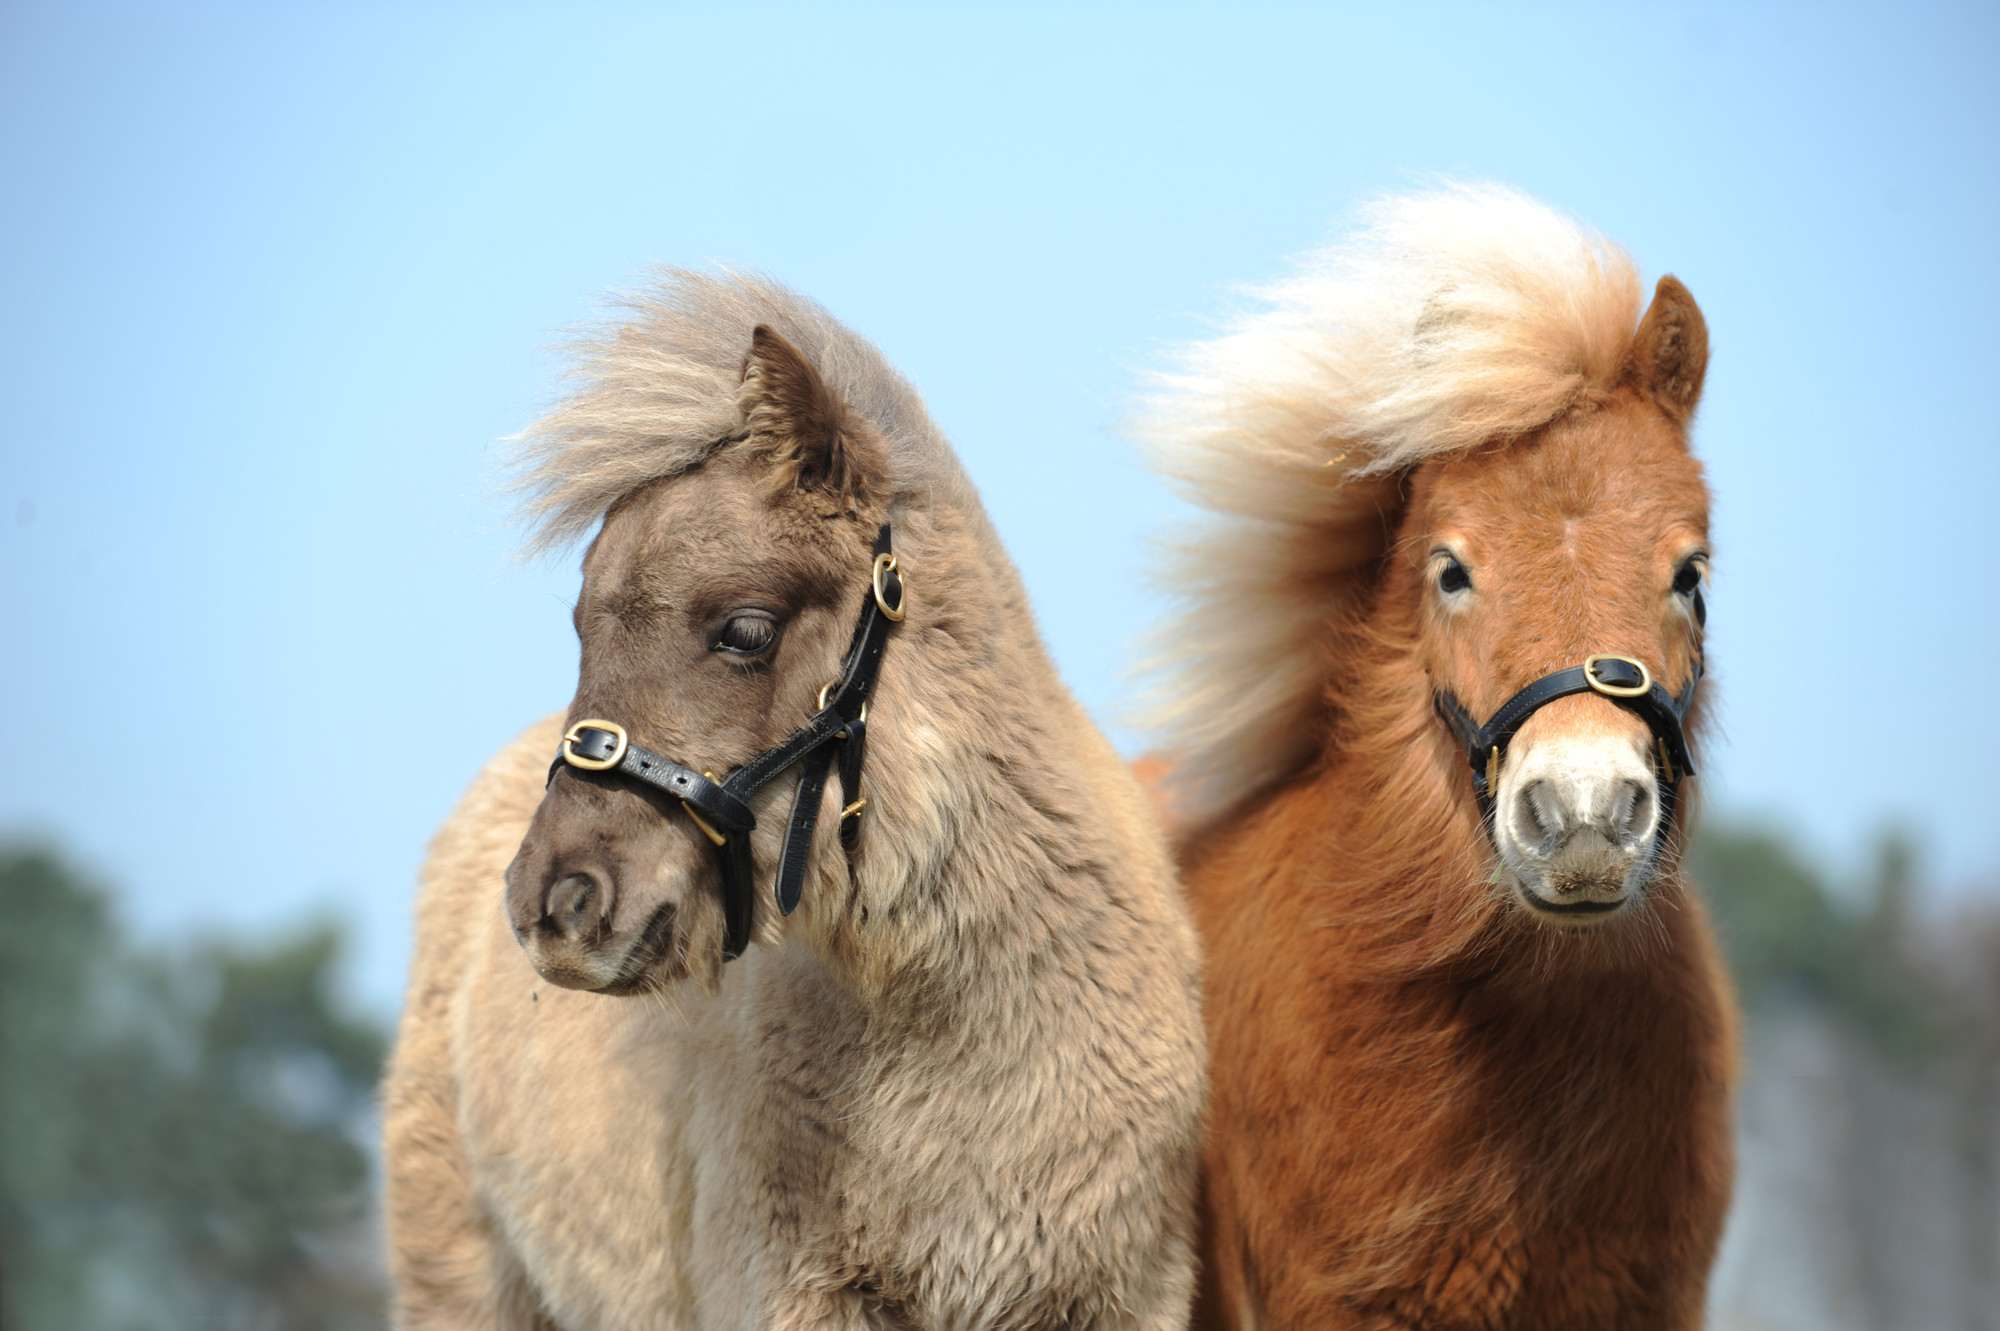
(961, 1086)
(658, 390)
(1429, 1107)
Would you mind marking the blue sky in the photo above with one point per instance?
(277, 277)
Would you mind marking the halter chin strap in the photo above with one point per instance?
(719, 805)
(1621, 679)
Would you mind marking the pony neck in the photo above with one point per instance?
(1005, 818)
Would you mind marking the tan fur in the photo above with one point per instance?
(655, 392)
(1455, 317)
(961, 1086)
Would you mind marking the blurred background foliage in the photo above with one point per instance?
(1792, 936)
(187, 1132)
(1868, 1122)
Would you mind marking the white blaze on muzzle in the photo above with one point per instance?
(1580, 819)
(1576, 818)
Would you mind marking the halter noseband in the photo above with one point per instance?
(719, 805)
(1621, 679)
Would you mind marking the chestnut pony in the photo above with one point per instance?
(1470, 1069)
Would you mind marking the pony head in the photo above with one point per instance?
(1587, 538)
(1449, 460)
(741, 450)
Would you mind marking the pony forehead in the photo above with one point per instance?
(716, 526)
(1625, 459)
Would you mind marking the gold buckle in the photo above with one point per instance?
(854, 808)
(595, 764)
(1639, 690)
(884, 565)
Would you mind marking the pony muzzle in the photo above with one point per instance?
(607, 921)
(1576, 816)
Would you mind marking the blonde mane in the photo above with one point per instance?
(1451, 318)
(654, 392)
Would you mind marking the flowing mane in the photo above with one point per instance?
(655, 390)
(1457, 316)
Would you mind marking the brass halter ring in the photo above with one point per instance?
(884, 565)
(1639, 690)
(575, 759)
(827, 688)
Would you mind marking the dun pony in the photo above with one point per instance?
(960, 1085)
(1471, 1069)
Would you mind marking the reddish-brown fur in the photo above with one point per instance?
(1430, 1109)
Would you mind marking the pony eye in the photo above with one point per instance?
(1453, 577)
(746, 634)
(1687, 582)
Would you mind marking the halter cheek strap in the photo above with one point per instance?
(719, 805)
(1621, 679)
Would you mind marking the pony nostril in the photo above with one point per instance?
(1633, 816)
(1537, 819)
(573, 909)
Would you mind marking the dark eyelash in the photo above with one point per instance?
(761, 634)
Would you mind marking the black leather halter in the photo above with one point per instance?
(1621, 679)
(719, 805)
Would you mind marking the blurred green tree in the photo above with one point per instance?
(1788, 934)
(181, 1136)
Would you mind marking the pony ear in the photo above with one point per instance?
(1669, 352)
(814, 440)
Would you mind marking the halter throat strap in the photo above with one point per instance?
(720, 806)
(1621, 679)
